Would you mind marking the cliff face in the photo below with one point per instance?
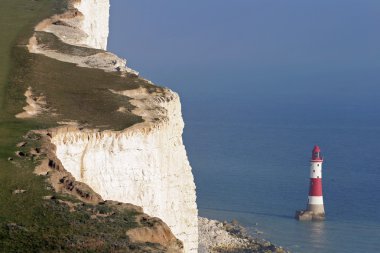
(95, 22)
(144, 164)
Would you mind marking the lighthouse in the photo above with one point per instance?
(315, 209)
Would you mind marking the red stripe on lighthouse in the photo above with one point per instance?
(315, 187)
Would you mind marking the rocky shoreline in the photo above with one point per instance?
(230, 237)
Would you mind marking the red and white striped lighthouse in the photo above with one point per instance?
(315, 202)
(315, 209)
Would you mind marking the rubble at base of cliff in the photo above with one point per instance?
(230, 237)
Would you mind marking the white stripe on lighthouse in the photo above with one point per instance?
(316, 170)
(315, 200)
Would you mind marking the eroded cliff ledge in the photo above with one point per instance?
(120, 134)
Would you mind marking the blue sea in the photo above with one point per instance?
(261, 83)
(251, 163)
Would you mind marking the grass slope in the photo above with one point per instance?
(29, 223)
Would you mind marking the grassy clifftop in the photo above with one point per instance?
(33, 217)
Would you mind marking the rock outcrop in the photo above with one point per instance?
(306, 215)
(145, 164)
(230, 237)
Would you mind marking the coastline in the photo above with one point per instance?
(235, 239)
(230, 237)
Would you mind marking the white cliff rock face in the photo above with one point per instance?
(84, 25)
(95, 21)
(145, 165)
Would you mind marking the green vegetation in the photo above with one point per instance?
(83, 96)
(16, 17)
(29, 221)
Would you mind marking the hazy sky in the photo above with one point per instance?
(266, 49)
(264, 34)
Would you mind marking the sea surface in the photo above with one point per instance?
(261, 83)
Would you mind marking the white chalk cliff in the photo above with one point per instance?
(145, 164)
(95, 23)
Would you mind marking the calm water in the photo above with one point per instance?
(261, 83)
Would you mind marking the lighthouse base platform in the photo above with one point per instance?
(304, 215)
